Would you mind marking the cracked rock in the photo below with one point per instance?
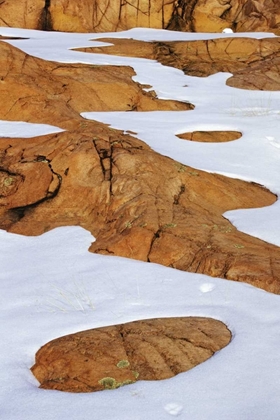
(118, 15)
(254, 63)
(110, 357)
(136, 202)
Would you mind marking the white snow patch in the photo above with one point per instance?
(20, 129)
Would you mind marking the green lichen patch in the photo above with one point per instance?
(136, 374)
(123, 364)
(111, 383)
(8, 181)
(108, 383)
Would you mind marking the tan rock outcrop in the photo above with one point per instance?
(255, 15)
(22, 14)
(110, 357)
(254, 63)
(43, 91)
(116, 15)
(210, 136)
(109, 15)
(137, 203)
(216, 15)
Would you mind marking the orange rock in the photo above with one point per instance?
(23, 14)
(43, 91)
(254, 63)
(210, 136)
(110, 357)
(136, 203)
(113, 15)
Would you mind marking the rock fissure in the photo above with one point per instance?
(136, 202)
(105, 157)
(181, 15)
(45, 18)
(19, 212)
(118, 355)
(178, 196)
(156, 235)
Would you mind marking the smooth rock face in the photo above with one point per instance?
(110, 357)
(117, 15)
(136, 202)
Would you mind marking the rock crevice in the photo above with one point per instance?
(110, 357)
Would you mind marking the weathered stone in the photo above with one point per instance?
(254, 63)
(136, 202)
(22, 14)
(210, 136)
(108, 15)
(117, 15)
(252, 15)
(110, 357)
(43, 91)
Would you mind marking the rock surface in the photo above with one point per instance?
(254, 63)
(210, 136)
(55, 93)
(110, 357)
(136, 203)
(116, 15)
(22, 14)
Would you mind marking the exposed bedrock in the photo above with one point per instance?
(42, 91)
(117, 15)
(136, 202)
(254, 63)
(210, 136)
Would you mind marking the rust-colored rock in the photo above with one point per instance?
(109, 15)
(117, 15)
(211, 136)
(252, 15)
(216, 15)
(22, 14)
(110, 357)
(254, 63)
(47, 92)
(136, 202)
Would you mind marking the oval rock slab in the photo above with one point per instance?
(110, 357)
(211, 136)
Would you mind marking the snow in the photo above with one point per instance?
(26, 130)
(57, 287)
